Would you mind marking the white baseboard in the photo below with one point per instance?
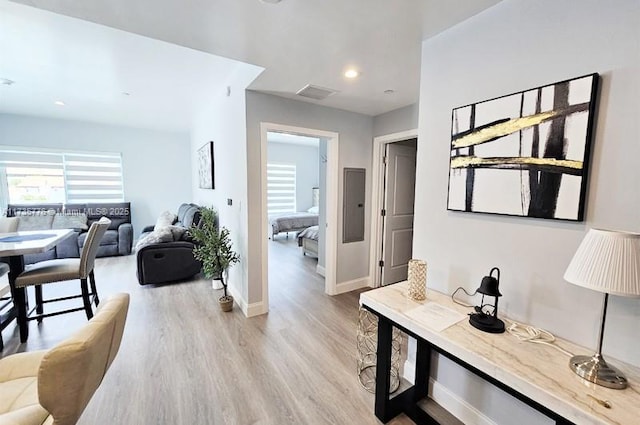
(352, 285)
(451, 402)
(256, 309)
(249, 310)
(320, 270)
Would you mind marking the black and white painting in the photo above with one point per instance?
(524, 154)
(205, 166)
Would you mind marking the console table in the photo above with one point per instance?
(536, 374)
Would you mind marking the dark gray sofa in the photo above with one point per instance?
(172, 260)
(117, 240)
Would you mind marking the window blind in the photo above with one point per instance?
(33, 177)
(281, 188)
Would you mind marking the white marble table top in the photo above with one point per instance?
(34, 246)
(538, 371)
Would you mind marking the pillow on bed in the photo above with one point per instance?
(313, 210)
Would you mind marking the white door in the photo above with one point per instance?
(400, 183)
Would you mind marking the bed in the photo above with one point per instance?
(296, 221)
(308, 240)
(292, 222)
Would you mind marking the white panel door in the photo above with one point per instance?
(400, 183)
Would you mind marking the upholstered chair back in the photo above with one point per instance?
(8, 224)
(91, 245)
(71, 372)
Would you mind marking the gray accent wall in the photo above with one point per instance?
(355, 151)
(395, 121)
(155, 164)
(513, 46)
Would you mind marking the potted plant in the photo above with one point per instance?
(214, 250)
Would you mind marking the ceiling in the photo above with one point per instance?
(102, 74)
(297, 42)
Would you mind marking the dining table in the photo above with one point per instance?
(14, 246)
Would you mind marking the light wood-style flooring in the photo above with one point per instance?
(183, 361)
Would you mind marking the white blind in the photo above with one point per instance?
(93, 178)
(34, 177)
(281, 188)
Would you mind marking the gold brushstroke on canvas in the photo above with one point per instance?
(474, 161)
(503, 129)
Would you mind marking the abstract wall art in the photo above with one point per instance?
(205, 167)
(524, 154)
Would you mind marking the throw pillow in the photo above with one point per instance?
(157, 236)
(34, 222)
(70, 221)
(313, 210)
(177, 232)
(167, 218)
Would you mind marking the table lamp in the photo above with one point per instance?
(609, 262)
(488, 322)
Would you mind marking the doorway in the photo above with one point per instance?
(394, 167)
(328, 200)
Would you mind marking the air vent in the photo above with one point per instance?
(315, 92)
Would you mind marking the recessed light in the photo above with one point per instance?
(59, 103)
(389, 91)
(351, 73)
(126, 93)
(270, 1)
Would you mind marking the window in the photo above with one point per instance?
(60, 177)
(281, 188)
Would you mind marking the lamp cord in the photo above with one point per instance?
(479, 309)
(536, 335)
(522, 332)
(453, 297)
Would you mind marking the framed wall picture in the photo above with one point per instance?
(206, 167)
(524, 154)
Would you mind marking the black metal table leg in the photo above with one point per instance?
(383, 370)
(423, 369)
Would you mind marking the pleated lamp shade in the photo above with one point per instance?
(607, 261)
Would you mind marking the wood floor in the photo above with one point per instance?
(183, 361)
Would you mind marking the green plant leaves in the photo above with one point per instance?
(213, 248)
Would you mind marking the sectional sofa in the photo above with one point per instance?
(116, 241)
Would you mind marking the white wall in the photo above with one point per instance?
(305, 158)
(355, 132)
(222, 121)
(155, 163)
(513, 46)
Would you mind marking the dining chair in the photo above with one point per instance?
(5, 301)
(54, 387)
(8, 224)
(51, 271)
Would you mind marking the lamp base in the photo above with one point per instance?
(486, 323)
(595, 369)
